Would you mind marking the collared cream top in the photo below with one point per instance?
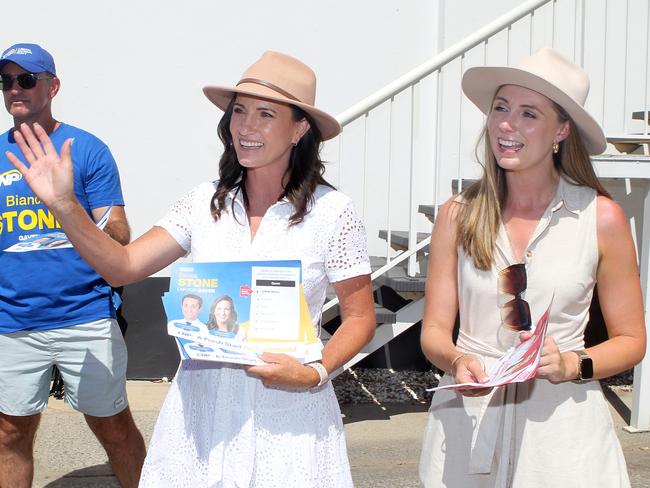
(536, 433)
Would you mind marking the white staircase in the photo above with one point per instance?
(408, 147)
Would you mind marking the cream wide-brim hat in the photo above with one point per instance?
(279, 78)
(549, 73)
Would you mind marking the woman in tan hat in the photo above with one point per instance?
(226, 425)
(537, 229)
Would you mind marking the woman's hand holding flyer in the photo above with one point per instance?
(518, 364)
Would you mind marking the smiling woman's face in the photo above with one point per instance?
(522, 127)
(263, 132)
(222, 313)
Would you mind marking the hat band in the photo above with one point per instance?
(268, 85)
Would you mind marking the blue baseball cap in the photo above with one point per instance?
(30, 57)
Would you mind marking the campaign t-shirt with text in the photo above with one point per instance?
(47, 287)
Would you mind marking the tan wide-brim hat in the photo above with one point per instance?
(280, 78)
(546, 72)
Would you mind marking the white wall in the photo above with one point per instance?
(132, 71)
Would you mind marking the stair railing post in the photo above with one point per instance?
(640, 418)
(579, 40)
(389, 213)
(646, 93)
(413, 204)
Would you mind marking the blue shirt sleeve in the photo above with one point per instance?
(101, 179)
(97, 180)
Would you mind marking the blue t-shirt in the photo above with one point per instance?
(51, 287)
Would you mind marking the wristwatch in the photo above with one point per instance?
(585, 367)
(323, 376)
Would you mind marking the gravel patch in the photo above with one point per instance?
(622, 381)
(378, 385)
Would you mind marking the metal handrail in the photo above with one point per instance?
(413, 77)
(438, 61)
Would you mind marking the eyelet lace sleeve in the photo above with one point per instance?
(178, 221)
(347, 248)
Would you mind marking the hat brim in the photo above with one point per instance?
(26, 65)
(222, 95)
(481, 83)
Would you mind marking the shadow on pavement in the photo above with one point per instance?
(384, 411)
(98, 476)
(617, 404)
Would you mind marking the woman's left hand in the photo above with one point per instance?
(285, 371)
(553, 365)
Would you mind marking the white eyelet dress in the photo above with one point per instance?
(220, 427)
(533, 434)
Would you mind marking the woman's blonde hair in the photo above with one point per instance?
(479, 212)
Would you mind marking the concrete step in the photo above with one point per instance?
(382, 314)
(622, 165)
(641, 115)
(628, 143)
(628, 138)
(399, 239)
(397, 278)
(429, 211)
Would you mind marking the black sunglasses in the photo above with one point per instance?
(26, 81)
(515, 314)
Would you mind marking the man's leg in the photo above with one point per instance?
(93, 366)
(17, 450)
(25, 372)
(123, 444)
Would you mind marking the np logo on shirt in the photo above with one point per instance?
(9, 177)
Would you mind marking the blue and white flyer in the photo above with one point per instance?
(234, 311)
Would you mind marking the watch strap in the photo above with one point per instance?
(323, 375)
(585, 366)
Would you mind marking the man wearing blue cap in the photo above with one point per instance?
(54, 308)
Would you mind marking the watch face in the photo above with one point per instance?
(586, 368)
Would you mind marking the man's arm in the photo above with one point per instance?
(117, 226)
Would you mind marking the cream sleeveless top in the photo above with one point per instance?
(561, 261)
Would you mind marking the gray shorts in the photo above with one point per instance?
(92, 359)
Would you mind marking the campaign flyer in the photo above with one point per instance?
(519, 363)
(234, 311)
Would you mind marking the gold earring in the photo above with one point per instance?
(556, 148)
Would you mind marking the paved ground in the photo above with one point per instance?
(383, 443)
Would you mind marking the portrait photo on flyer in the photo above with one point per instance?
(234, 311)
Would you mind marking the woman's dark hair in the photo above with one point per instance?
(232, 321)
(305, 171)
